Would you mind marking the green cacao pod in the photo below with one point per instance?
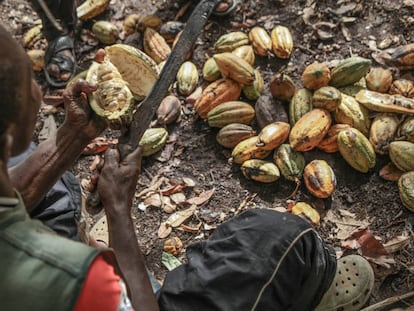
(153, 140)
(230, 112)
(402, 155)
(300, 104)
(230, 41)
(349, 71)
(260, 170)
(406, 190)
(327, 97)
(290, 162)
(356, 149)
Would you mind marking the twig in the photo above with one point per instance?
(388, 301)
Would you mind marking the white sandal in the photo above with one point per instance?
(351, 287)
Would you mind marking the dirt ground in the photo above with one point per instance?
(323, 31)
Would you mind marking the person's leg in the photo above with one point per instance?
(59, 58)
(259, 260)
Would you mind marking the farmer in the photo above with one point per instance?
(259, 260)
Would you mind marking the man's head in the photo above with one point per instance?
(20, 96)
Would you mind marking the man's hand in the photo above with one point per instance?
(79, 115)
(118, 179)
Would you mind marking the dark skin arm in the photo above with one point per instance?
(35, 176)
(116, 187)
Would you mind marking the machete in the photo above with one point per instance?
(129, 141)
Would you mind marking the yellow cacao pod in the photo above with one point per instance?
(315, 76)
(310, 129)
(304, 209)
(379, 79)
(329, 143)
(254, 91)
(402, 87)
(130, 23)
(32, 36)
(327, 97)
(273, 135)
(406, 190)
(406, 130)
(37, 57)
(155, 45)
(246, 52)
(282, 42)
(234, 67)
(402, 155)
(349, 71)
(282, 87)
(211, 71)
(380, 102)
(247, 149)
(230, 112)
(230, 135)
(319, 179)
(300, 104)
(105, 32)
(149, 21)
(356, 149)
(91, 8)
(351, 90)
(153, 140)
(230, 41)
(216, 93)
(351, 112)
(187, 78)
(261, 41)
(169, 110)
(382, 132)
(291, 163)
(260, 170)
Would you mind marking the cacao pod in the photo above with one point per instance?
(402, 87)
(105, 32)
(261, 41)
(273, 135)
(327, 97)
(379, 79)
(230, 41)
(384, 102)
(319, 179)
(406, 190)
(349, 71)
(300, 104)
(234, 67)
(402, 155)
(302, 208)
(315, 76)
(382, 131)
(260, 170)
(153, 140)
(245, 52)
(269, 110)
(254, 91)
(282, 87)
(282, 42)
(211, 71)
(406, 130)
(91, 8)
(329, 143)
(187, 78)
(356, 149)
(155, 45)
(230, 112)
(247, 149)
(310, 129)
(169, 110)
(230, 135)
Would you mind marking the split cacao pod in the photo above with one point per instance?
(216, 93)
(300, 104)
(260, 170)
(349, 71)
(315, 76)
(230, 41)
(261, 41)
(380, 102)
(329, 143)
(282, 42)
(327, 97)
(402, 155)
(230, 112)
(403, 57)
(310, 129)
(351, 112)
(273, 135)
(379, 79)
(230, 135)
(247, 149)
(356, 150)
(406, 190)
(319, 179)
(383, 131)
(234, 67)
(187, 78)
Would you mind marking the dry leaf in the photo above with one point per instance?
(179, 217)
(164, 230)
(173, 189)
(167, 205)
(190, 229)
(189, 182)
(178, 198)
(153, 200)
(203, 197)
(345, 222)
(397, 243)
(98, 145)
(390, 172)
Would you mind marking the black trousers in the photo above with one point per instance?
(64, 12)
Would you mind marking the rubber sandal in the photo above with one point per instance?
(100, 231)
(351, 287)
(65, 63)
(228, 11)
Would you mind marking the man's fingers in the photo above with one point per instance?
(79, 87)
